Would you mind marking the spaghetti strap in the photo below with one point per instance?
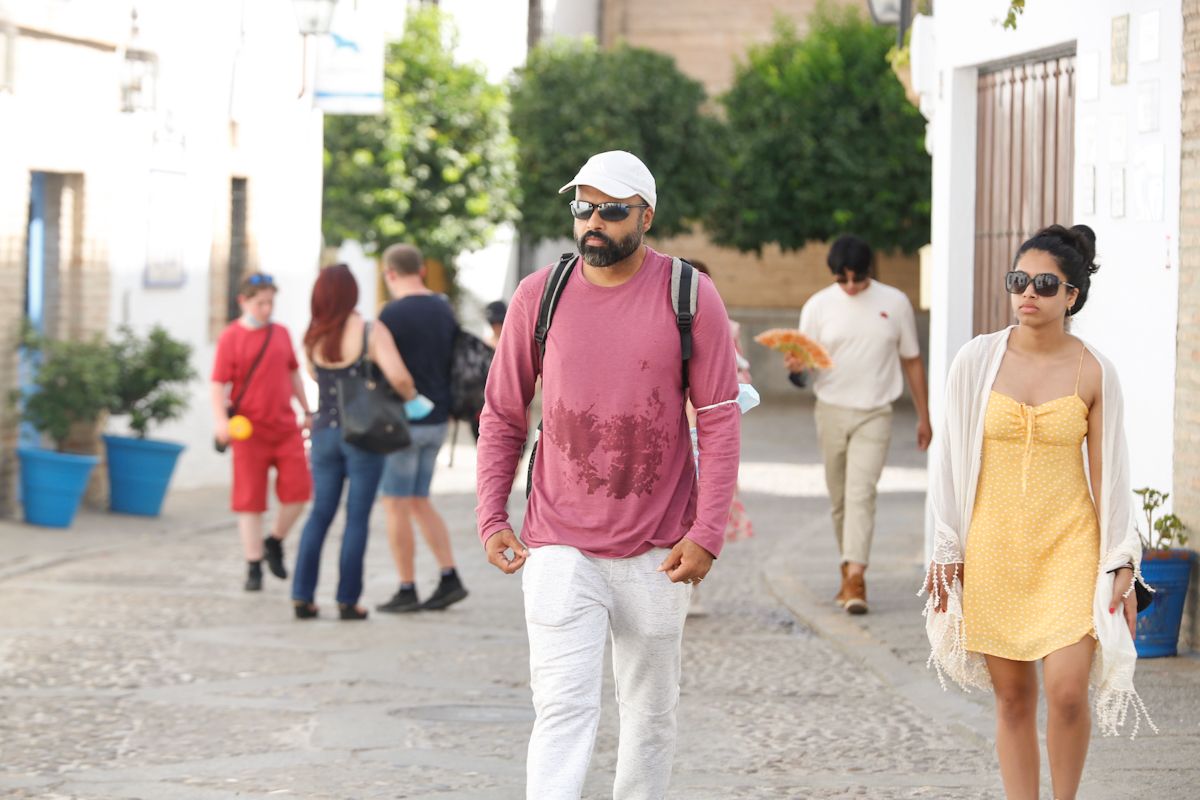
(1079, 372)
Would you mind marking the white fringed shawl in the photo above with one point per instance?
(954, 476)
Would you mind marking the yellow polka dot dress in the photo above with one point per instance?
(1033, 547)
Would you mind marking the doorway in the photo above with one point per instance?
(34, 306)
(1024, 168)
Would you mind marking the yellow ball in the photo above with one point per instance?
(240, 428)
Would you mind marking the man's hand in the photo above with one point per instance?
(221, 433)
(924, 434)
(794, 362)
(497, 547)
(1124, 599)
(687, 562)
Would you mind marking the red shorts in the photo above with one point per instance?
(253, 459)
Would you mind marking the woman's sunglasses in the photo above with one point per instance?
(1045, 284)
(609, 212)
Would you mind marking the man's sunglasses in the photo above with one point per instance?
(850, 277)
(1045, 284)
(609, 212)
(260, 279)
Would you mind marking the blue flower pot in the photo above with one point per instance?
(1167, 572)
(139, 471)
(52, 485)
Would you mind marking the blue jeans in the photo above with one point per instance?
(333, 461)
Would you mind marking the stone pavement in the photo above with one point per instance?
(133, 666)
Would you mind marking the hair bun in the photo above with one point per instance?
(1087, 233)
(1085, 242)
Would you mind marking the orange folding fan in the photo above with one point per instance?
(789, 340)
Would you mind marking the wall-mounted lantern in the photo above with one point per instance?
(892, 12)
(139, 74)
(314, 17)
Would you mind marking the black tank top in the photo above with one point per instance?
(327, 384)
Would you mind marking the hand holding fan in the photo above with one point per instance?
(793, 343)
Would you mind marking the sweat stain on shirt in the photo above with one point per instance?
(621, 454)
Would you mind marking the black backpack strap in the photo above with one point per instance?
(684, 288)
(550, 296)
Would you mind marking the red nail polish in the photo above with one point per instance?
(1112, 609)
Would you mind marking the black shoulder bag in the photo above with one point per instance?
(231, 410)
(371, 412)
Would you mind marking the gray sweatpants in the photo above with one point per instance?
(572, 604)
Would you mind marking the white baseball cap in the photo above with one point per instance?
(618, 174)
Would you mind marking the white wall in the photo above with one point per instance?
(71, 122)
(1131, 311)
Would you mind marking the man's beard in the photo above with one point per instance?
(609, 253)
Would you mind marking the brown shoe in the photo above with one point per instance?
(840, 599)
(856, 595)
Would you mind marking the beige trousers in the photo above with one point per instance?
(854, 444)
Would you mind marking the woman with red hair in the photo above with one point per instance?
(334, 344)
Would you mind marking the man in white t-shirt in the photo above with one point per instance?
(869, 331)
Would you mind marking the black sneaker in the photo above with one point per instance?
(254, 577)
(402, 602)
(273, 550)
(449, 591)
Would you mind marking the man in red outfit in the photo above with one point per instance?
(256, 375)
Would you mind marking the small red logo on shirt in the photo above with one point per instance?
(883, 314)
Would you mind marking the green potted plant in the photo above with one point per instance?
(152, 375)
(72, 386)
(1167, 567)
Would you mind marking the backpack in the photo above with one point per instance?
(470, 360)
(684, 284)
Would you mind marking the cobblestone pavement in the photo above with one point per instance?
(133, 666)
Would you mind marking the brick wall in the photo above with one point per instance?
(1186, 492)
(706, 37)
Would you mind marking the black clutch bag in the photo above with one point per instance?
(372, 414)
(1144, 596)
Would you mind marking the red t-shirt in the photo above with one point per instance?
(267, 401)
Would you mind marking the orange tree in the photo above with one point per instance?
(573, 99)
(821, 141)
(436, 168)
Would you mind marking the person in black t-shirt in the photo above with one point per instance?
(424, 327)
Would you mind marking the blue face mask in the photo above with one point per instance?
(418, 408)
(251, 323)
(747, 397)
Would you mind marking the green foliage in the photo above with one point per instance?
(436, 168)
(75, 382)
(823, 141)
(1164, 533)
(1015, 9)
(152, 374)
(572, 100)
